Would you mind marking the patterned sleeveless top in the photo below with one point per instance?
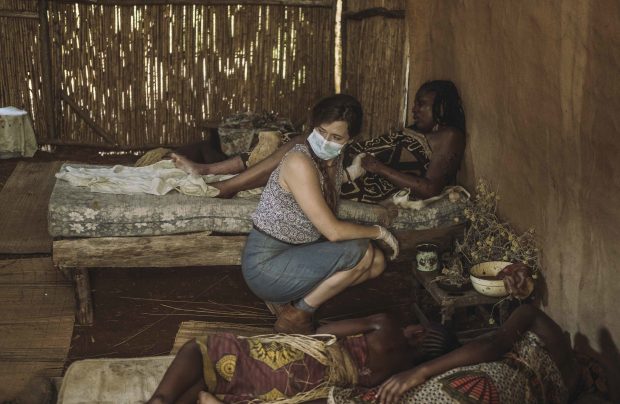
(279, 215)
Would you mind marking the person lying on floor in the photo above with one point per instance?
(528, 360)
(424, 157)
(297, 368)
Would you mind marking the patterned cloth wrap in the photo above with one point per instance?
(527, 374)
(282, 368)
(389, 150)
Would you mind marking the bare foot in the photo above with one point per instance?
(207, 398)
(184, 164)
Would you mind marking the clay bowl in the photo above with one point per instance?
(484, 278)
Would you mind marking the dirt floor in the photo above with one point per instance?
(138, 311)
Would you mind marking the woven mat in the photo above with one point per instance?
(36, 322)
(193, 329)
(24, 200)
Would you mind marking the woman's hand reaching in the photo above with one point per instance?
(393, 388)
(389, 239)
(371, 164)
(355, 170)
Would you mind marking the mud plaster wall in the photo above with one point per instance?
(540, 83)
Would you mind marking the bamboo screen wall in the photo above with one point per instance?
(20, 69)
(158, 74)
(374, 70)
(152, 74)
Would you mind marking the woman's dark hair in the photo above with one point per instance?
(447, 108)
(438, 341)
(339, 107)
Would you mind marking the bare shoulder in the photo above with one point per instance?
(298, 166)
(297, 159)
(450, 135)
(447, 139)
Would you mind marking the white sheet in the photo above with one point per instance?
(156, 179)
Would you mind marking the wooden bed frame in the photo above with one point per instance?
(74, 257)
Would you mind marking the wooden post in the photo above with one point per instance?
(46, 69)
(84, 315)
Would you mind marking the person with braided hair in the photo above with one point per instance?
(291, 369)
(424, 157)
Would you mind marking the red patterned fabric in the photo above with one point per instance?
(240, 370)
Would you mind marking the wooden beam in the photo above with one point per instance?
(373, 12)
(46, 69)
(196, 249)
(89, 121)
(19, 14)
(297, 3)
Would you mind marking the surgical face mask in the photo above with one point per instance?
(322, 147)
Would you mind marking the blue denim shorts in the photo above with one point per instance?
(279, 272)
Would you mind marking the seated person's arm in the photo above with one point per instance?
(299, 176)
(353, 326)
(443, 166)
(256, 175)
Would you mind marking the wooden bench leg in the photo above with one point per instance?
(84, 315)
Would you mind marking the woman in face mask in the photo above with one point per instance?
(285, 261)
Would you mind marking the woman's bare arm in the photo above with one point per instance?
(300, 176)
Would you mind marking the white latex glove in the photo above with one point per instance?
(356, 170)
(389, 239)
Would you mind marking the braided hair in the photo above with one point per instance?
(339, 107)
(438, 341)
(447, 107)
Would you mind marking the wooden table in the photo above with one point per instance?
(449, 301)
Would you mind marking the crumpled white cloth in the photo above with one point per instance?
(454, 193)
(17, 137)
(156, 179)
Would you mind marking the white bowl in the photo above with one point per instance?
(488, 287)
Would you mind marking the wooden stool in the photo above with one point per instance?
(449, 301)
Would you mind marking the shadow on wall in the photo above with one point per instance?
(603, 373)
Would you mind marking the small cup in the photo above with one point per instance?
(426, 257)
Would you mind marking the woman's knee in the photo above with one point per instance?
(378, 264)
(366, 262)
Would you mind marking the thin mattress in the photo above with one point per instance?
(78, 212)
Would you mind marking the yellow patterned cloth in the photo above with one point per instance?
(283, 368)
